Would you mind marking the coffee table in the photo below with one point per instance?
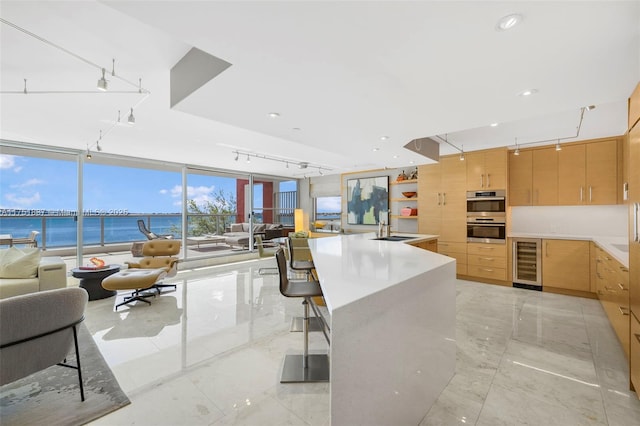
(205, 239)
(91, 280)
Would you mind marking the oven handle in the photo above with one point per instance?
(485, 198)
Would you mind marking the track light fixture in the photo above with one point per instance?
(517, 151)
(102, 82)
(131, 119)
(462, 153)
(300, 164)
(88, 154)
(558, 147)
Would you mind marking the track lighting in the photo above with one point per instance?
(102, 83)
(131, 119)
(517, 151)
(558, 147)
(287, 162)
(462, 154)
(88, 155)
(590, 107)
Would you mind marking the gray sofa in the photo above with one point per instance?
(49, 273)
(238, 234)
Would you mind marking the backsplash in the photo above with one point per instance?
(601, 221)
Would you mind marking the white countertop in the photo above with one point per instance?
(618, 247)
(368, 265)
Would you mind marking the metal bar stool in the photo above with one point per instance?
(305, 265)
(303, 368)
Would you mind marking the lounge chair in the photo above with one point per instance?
(150, 235)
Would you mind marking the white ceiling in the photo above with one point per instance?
(343, 73)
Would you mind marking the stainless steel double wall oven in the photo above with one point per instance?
(486, 216)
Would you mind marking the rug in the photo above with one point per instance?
(52, 396)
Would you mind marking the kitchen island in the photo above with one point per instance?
(392, 309)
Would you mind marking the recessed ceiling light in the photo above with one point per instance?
(507, 22)
(411, 162)
(376, 149)
(528, 92)
(297, 129)
(396, 156)
(274, 114)
(494, 124)
(384, 138)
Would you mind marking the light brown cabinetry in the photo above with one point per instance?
(487, 261)
(565, 265)
(612, 286)
(486, 169)
(634, 244)
(442, 207)
(588, 173)
(431, 245)
(533, 177)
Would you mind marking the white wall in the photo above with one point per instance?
(604, 221)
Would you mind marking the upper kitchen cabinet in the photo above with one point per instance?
(520, 178)
(634, 107)
(588, 173)
(533, 178)
(486, 169)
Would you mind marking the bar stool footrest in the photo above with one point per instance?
(315, 324)
(317, 369)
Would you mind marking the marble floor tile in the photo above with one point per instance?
(211, 353)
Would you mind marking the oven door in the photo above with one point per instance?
(486, 232)
(486, 206)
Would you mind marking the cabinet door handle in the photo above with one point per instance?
(546, 249)
(590, 193)
(623, 311)
(490, 259)
(485, 248)
(610, 290)
(581, 196)
(488, 180)
(438, 198)
(490, 270)
(444, 198)
(621, 286)
(482, 181)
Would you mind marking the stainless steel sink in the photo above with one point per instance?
(621, 247)
(394, 238)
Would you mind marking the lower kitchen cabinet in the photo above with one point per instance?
(634, 355)
(431, 245)
(612, 286)
(456, 250)
(487, 261)
(565, 265)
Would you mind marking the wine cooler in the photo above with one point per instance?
(527, 265)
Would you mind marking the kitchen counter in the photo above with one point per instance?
(392, 311)
(618, 247)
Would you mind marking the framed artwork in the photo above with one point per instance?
(368, 200)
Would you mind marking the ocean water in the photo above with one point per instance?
(62, 231)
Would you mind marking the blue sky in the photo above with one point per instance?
(37, 183)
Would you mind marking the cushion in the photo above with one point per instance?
(236, 227)
(19, 263)
(274, 226)
(245, 227)
(258, 228)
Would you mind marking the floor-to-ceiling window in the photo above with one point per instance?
(39, 189)
(117, 193)
(39, 193)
